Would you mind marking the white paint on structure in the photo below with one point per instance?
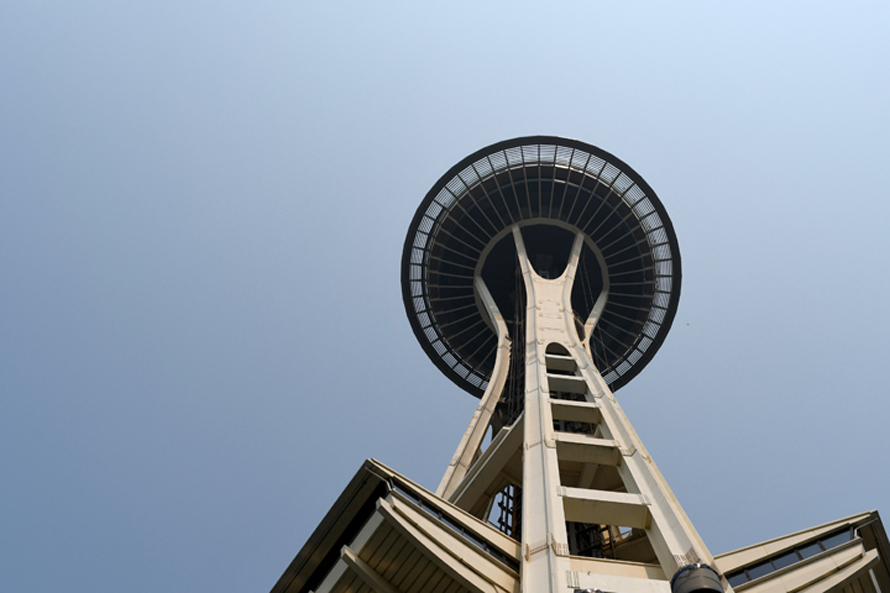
(642, 500)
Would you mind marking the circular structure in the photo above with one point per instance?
(552, 188)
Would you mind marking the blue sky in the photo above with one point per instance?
(202, 208)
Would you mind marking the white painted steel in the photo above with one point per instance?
(490, 465)
(648, 502)
(468, 449)
(605, 508)
(545, 544)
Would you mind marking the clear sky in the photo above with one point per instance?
(202, 209)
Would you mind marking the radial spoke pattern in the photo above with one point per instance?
(540, 179)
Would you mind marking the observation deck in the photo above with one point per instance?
(553, 188)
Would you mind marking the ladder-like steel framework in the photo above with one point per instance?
(558, 365)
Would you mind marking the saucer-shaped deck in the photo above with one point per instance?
(552, 188)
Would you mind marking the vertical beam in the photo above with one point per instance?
(545, 550)
(468, 448)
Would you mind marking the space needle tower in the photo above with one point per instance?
(541, 274)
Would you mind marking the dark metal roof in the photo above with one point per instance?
(540, 180)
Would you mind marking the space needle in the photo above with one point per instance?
(541, 274)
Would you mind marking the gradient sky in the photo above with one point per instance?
(202, 210)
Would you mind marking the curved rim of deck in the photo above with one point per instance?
(440, 239)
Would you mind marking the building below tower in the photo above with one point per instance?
(386, 534)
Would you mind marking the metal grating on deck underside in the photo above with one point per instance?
(540, 180)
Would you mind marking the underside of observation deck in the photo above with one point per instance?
(553, 188)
